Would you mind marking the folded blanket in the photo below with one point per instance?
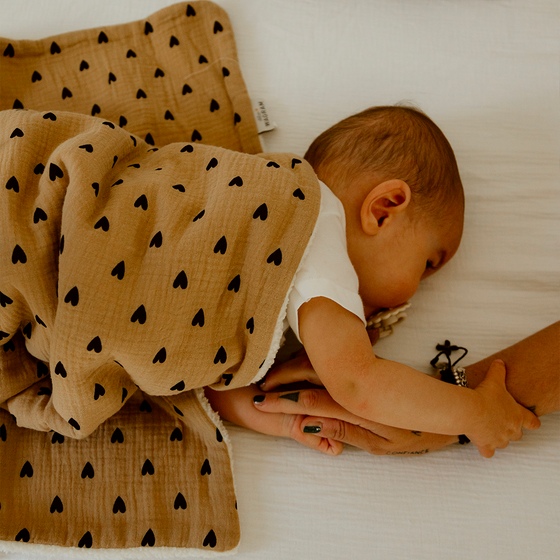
(126, 271)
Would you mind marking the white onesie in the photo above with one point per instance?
(326, 270)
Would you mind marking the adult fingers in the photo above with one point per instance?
(292, 371)
(311, 402)
(334, 429)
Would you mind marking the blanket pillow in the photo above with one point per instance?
(171, 77)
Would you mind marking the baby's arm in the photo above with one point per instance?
(397, 395)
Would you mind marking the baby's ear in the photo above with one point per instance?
(383, 203)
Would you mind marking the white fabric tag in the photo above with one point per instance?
(264, 124)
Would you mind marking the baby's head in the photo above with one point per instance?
(397, 177)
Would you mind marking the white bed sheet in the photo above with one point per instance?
(487, 71)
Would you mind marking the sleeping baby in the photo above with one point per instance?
(124, 267)
(391, 215)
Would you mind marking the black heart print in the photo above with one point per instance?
(178, 386)
(214, 106)
(237, 181)
(83, 65)
(211, 164)
(176, 435)
(119, 505)
(102, 38)
(180, 502)
(221, 356)
(210, 539)
(87, 147)
(141, 202)
(95, 110)
(5, 300)
(149, 538)
(190, 12)
(198, 216)
(56, 505)
(236, 118)
(295, 161)
(298, 193)
(272, 164)
(205, 468)
(141, 94)
(117, 436)
(275, 257)
(66, 93)
(261, 212)
(60, 370)
(86, 540)
(150, 140)
(160, 357)
(227, 377)
(36, 77)
(221, 246)
(9, 50)
(57, 438)
(112, 78)
(118, 271)
(250, 326)
(13, 184)
(50, 116)
(95, 187)
(217, 27)
(87, 471)
(23, 535)
(198, 319)
(219, 437)
(196, 136)
(148, 28)
(102, 223)
(147, 468)
(122, 123)
(18, 255)
(139, 315)
(181, 280)
(55, 49)
(74, 423)
(42, 368)
(234, 284)
(17, 133)
(173, 41)
(55, 172)
(39, 169)
(73, 296)
(225, 72)
(145, 407)
(99, 391)
(202, 59)
(130, 54)
(26, 470)
(157, 240)
(169, 116)
(187, 89)
(180, 188)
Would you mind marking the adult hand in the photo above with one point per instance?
(321, 416)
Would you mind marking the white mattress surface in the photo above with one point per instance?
(488, 73)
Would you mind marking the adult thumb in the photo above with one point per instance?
(497, 372)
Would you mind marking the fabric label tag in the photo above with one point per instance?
(264, 124)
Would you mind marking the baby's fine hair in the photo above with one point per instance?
(393, 142)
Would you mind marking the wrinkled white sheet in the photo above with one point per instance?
(487, 72)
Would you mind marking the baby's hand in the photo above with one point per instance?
(293, 371)
(502, 417)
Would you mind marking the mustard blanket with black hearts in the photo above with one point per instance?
(131, 277)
